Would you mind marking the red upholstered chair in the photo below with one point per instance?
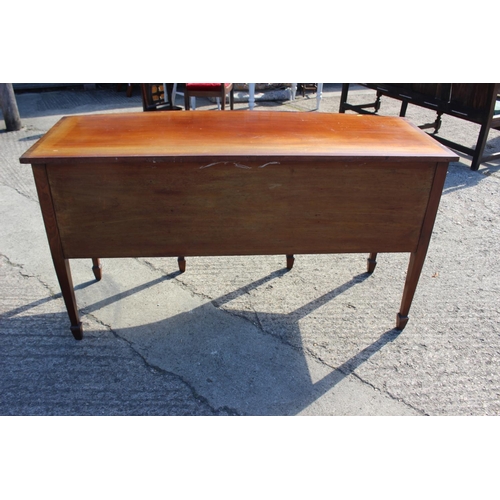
(219, 90)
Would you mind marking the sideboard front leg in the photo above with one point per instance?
(290, 259)
(61, 264)
(412, 277)
(97, 268)
(401, 321)
(371, 262)
(63, 272)
(417, 257)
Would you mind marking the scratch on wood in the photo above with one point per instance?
(212, 164)
(239, 165)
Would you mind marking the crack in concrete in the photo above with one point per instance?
(156, 369)
(24, 195)
(306, 350)
(26, 275)
(258, 324)
(316, 357)
(389, 394)
(262, 329)
(198, 397)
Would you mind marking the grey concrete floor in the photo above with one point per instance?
(239, 335)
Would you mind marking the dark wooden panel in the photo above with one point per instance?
(239, 208)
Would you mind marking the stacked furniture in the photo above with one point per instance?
(475, 102)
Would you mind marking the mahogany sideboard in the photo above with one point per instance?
(211, 183)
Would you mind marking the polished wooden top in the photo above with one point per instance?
(163, 136)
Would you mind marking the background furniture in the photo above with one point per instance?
(217, 90)
(157, 96)
(251, 96)
(319, 93)
(304, 87)
(129, 91)
(210, 183)
(474, 102)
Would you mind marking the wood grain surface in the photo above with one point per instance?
(125, 210)
(239, 134)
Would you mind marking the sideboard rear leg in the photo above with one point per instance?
(182, 264)
(97, 268)
(371, 262)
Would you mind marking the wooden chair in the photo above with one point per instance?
(303, 87)
(218, 90)
(153, 97)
